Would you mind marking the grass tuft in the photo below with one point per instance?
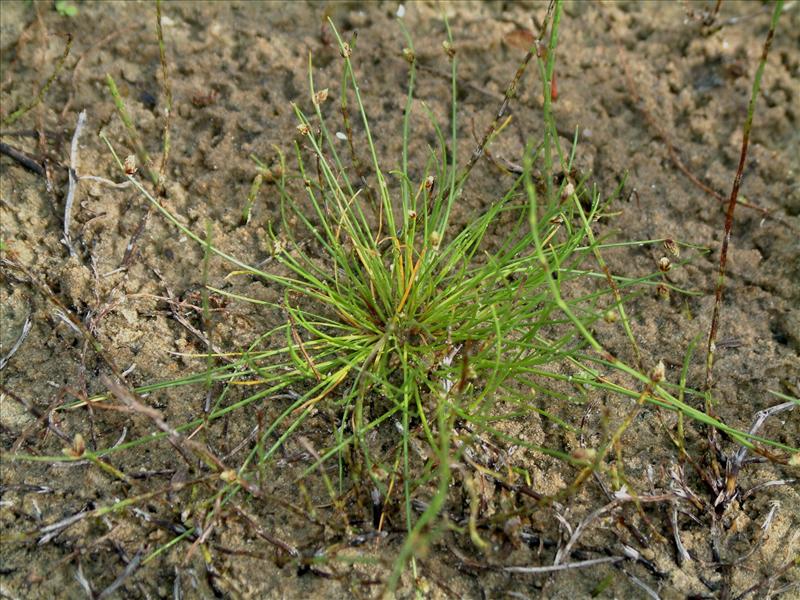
(417, 343)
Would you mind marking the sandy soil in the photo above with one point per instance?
(632, 78)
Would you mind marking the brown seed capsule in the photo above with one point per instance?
(345, 50)
(658, 373)
(663, 291)
(585, 455)
(409, 55)
(78, 445)
(429, 181)
(672, 247)
(379, 473)
(412, 214)
(321, 96)
(448, 48)
(664, 264)
(130, 165)
(303, 129)
(201, 100)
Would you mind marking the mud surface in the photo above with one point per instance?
(634, 79)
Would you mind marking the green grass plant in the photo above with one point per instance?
(416, 339)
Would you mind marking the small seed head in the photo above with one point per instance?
(278, 246)
(472, 374)
(569, 189)
(448, 48)
(663, 291)
(423, 585)
(436, 239)
(658, 373)
(412, 214)
(321, 96)
(584, 454)
(611, 316)
(379, 473)
(672, 247)
(429, 181)
(272, 174)
(130, 165)
(345, 50)
(409, 55)
(664, 264)
(78, 447)
(303, 129)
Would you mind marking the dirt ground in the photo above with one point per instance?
(635, 79)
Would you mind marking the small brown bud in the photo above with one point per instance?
(664, 264)
(663, 291)
(321, 96)
(409, 55)
(658, 373)
(303, 129)
(412, 214)
(429, 181)
(345, 50)
(672, 247)
(379, 473)
(78, 444)
(78, 447)
(584, 455)
(130, 165)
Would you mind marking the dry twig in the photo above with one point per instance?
(73, 181)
